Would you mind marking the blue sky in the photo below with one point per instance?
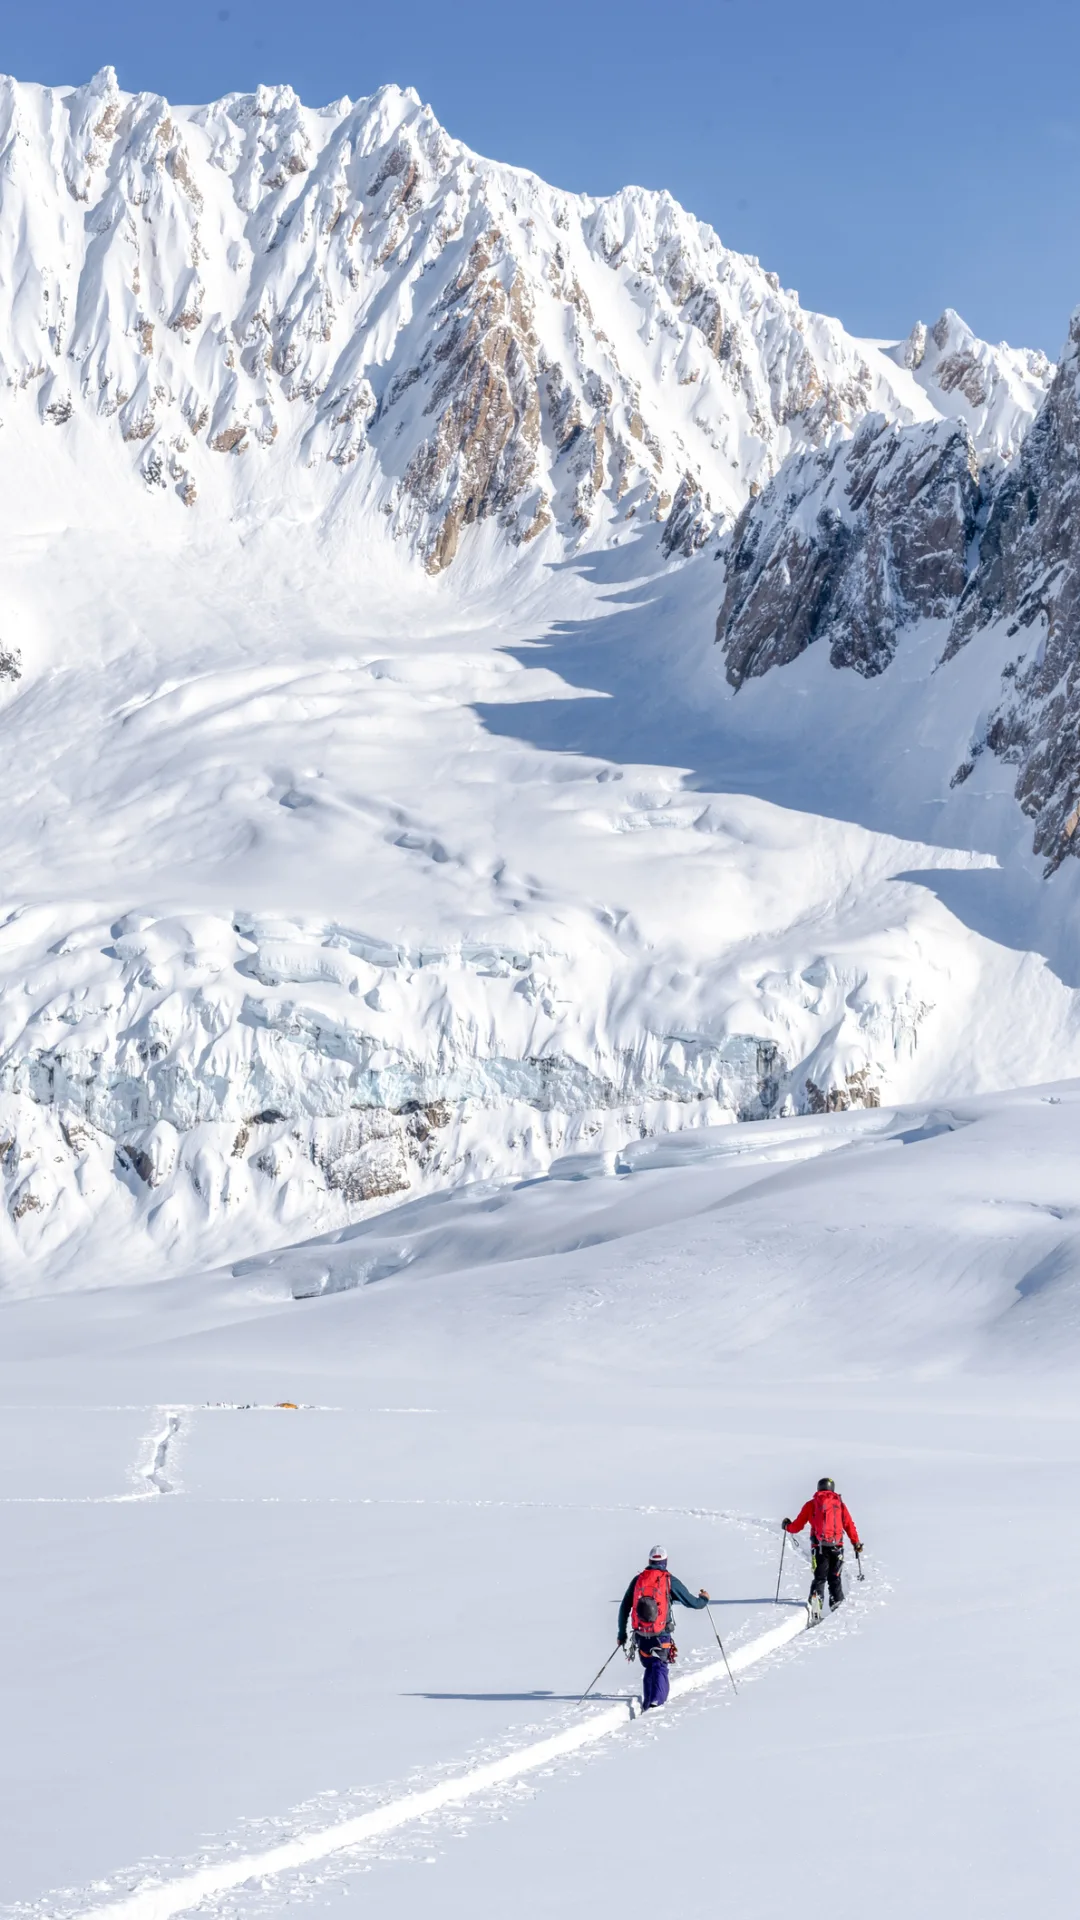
(885, 160)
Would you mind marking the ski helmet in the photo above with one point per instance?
(655, 1554)
(826, 1486)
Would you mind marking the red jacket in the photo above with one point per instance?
(829, 1520)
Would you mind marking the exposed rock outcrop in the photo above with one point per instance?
(896, 525)
(848, 546)
(481, 457)
(1028, 577)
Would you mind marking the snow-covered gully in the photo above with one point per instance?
(158, 1900)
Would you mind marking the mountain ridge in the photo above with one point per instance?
(424, 333)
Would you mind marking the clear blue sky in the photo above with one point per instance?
(885, 160)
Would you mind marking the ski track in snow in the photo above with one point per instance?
(325, 1833)
(149, 1474)
(205, 1883)
(153, 1473)
(154, 1481)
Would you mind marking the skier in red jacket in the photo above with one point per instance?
(829, 1521)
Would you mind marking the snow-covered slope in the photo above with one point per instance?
(333, 871)
(300, 918)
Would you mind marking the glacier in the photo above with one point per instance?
(378, 813)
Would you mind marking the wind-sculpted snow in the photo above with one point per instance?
(346, 302)
(291, 931)
(401, 914)
(557, 1374)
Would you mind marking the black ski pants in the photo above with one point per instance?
(827, 1563)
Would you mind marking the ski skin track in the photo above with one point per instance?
(170, 1897)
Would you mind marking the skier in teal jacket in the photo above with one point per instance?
(646, 1606)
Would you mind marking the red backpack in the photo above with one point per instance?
(655, 1585)
(827, 1522)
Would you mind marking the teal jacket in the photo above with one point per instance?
(678, 1592)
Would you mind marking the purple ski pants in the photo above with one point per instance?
(657, 1680)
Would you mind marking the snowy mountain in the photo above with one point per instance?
(349, 304)
(334, 871)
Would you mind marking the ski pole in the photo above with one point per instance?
(720, 1644)
(783, 1544)
(600, 1675)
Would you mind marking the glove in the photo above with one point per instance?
(702, 1595)
(860, 1546)
(622, 1642)
(786, 1524)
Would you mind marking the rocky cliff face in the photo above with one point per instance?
(348, 303)
(897, 525)
(1027, 576)
(849, 546)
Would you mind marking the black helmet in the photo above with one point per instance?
(826, 1486)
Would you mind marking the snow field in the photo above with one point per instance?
(178, 1896)
(338, 1609)
(238, 1618)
